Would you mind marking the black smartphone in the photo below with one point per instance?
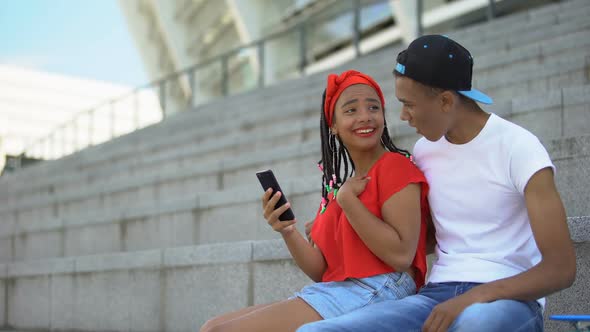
(267, 180)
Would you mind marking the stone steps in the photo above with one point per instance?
(551, 115)
(157, 290)
(218, 216)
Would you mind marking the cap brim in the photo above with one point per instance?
(477, 96)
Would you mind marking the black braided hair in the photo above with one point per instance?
(335, 154)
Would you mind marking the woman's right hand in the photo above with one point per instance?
(272, 215)
(352, 187)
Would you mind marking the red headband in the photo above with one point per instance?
(337, 84)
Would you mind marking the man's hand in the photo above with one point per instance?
(445, 313)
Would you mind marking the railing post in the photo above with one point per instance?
(46, 149)
(356, 29)
(224, 75)
(90, 127)
(136, 109)
(419, 8)
(162, 87)
(63, 140)
(302, 48)
(112, 119)
(56, 144)
(491, 12)
(18, 164)
(261, 69)
(191, 82)
(75, 133)
(52, 145)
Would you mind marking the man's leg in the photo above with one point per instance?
(500, 316)
(405, 315)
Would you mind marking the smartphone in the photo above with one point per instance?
(267, 180)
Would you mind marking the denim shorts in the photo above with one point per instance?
(335, 298)
(410, 313)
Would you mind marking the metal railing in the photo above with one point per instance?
(159, 94)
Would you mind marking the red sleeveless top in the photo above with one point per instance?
(345, 253)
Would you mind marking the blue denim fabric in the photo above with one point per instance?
(410, 313)
(333, 299)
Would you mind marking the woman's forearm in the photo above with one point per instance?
(309, 259)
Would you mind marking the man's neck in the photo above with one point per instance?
(468, 125)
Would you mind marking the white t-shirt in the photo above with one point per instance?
(477, 200)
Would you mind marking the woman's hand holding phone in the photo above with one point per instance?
(282, 220)
(269, 200)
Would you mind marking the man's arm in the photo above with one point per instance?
(555, 271)
(557, 268)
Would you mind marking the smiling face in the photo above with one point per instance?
(358, 118)
(423, 109)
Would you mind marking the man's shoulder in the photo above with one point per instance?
(511, 130)
(515, 139)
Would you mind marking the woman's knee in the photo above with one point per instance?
(207, 326)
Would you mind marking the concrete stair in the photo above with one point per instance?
(222, 215)
(177, 289)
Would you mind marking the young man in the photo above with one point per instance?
(502, 237)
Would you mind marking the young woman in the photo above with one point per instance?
(367, 241)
